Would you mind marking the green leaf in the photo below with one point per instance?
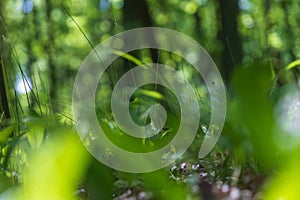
(4, 183)
(251, 114)
(292, 65)
(152, 94)
(165, 133)
(5, 133)
(55, 168)
(128, 57)
(35, 132)
(287, 68)
(286, 182)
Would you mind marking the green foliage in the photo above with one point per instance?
(285, 185)
(65, 161)
(5, 133)
(35, 131)
(292, 65)
(250, 116)
(41, 156)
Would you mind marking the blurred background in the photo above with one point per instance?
(255, 45)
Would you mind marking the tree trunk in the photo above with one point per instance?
(232, 51)
(3, 94)
(136, 14)
(51, 65)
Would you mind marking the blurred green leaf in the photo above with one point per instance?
(5, 133)
(292, 65)
(4, 183)
(55, 170)
(99, 181)
(129, 57)
(150, 93)
(250, 114)
(35, 133)
(286, 183)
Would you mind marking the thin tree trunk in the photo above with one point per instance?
(51, 65)
(232, 51)
(3, 94)
(136, 14)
